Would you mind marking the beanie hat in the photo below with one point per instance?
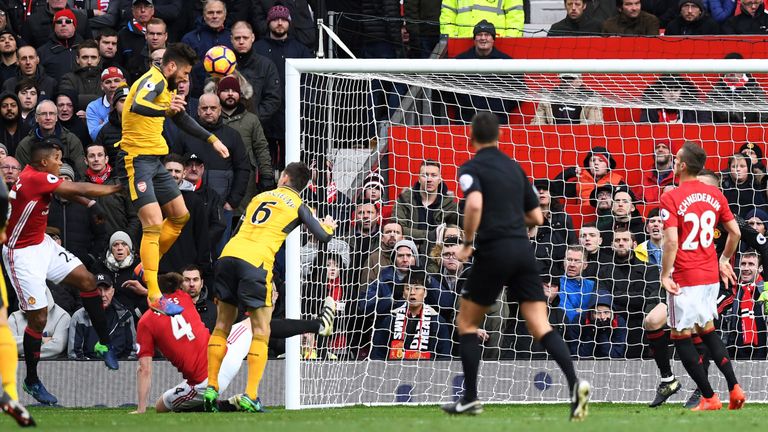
(484, 27)
(407, 243)
(111, 72)
(754, 147)
(3, 146)
(65, 13)
(600, 152)
(758, 213)
(123, 237)
(66, 170)
(278, 11)
(120, 93)
(229, 82)
(698, 3)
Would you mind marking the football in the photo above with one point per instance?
(219, 61)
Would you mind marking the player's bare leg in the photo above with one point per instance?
(90, 295)
(468, 320)
(217, 349)
(257, 358)
(535, 315)
(33, 340)
(690, 359)
(658, 338)
(9, 357)
(720, 357)
(153, 228)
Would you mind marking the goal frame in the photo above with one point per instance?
(294, 69)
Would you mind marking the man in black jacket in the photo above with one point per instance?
(9, 66)
(575, 22)
(752, 20)
(29, 67)
(303, 27)
(633, 285)
(260, 72)
(194, 285)
(58, 54)
(692, 21)
(85, 80)
(12, 127)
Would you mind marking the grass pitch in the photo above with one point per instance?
(549, 418)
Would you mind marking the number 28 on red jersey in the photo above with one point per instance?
(695, 209)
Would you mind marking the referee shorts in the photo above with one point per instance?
(239, 282)
(148, 181)
(508, 262)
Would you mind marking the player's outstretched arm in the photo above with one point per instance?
(190, 126)
(323, 232)
(143, 383)
(74, 191)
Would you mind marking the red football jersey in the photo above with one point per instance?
(30, 198)
(695, 209)
(183, 339)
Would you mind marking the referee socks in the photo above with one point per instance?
(556, 347)
(469, 348)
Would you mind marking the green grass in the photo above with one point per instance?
(603, 417)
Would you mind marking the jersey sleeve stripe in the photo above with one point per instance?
(20, 224)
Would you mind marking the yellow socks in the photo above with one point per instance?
(257, 362)
(217, 349)
(150, 259)
(172, 226)
(9, 357)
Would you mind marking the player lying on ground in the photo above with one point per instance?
(183, 340)
(656, 320)
(9, 356)
(244, 276)
(499, 204)
(152, 189)
(691, 212)
(31, 257)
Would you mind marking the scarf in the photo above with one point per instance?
(411, 336)
(669, 116)
(331, 190)
(115, 265)
(97, 178)
(339, 339)
(138, 27)
(747, 315)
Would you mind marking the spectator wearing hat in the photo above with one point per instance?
(259, 71)
(70, 114)
(650, 251)
(603, 332)
(667, 93)
(458, 16)
(120, 263)
(83, 229)
(97, 113)
(720, 10)
(194, 245)
(752, 20)
(132, 49)
(557, 232)
(413, 330)
(601, 200)
(46, 116)
(193, 179)
(31, 69)
(576, 23)
(484, 38)
(739, 186)
(741, 87)
(578, 182)
(693, 20)
(234, 114)
(9, 65)
(278, 46)
(112, 131)
(208, 33)
(303, 26)
(12, 127)
(657, 176)
(758, 220)
(117, 210)
(631, 283)
(120, 322)
(85, 80)
(631, 21)
(755, 153)
(58, 54)
(373, 190)
(571, 87)
(38, 27)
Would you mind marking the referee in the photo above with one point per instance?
(499, 204)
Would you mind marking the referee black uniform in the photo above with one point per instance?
(502, 254)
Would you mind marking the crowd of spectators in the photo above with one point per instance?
(392, 269)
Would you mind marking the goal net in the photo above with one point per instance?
(385, 139)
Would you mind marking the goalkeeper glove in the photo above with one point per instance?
(764, 297)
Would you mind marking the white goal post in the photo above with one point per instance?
(319, 383)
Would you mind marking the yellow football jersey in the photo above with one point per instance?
(269, 218)
(143, 126)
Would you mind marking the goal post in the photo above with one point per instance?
(335, 110)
